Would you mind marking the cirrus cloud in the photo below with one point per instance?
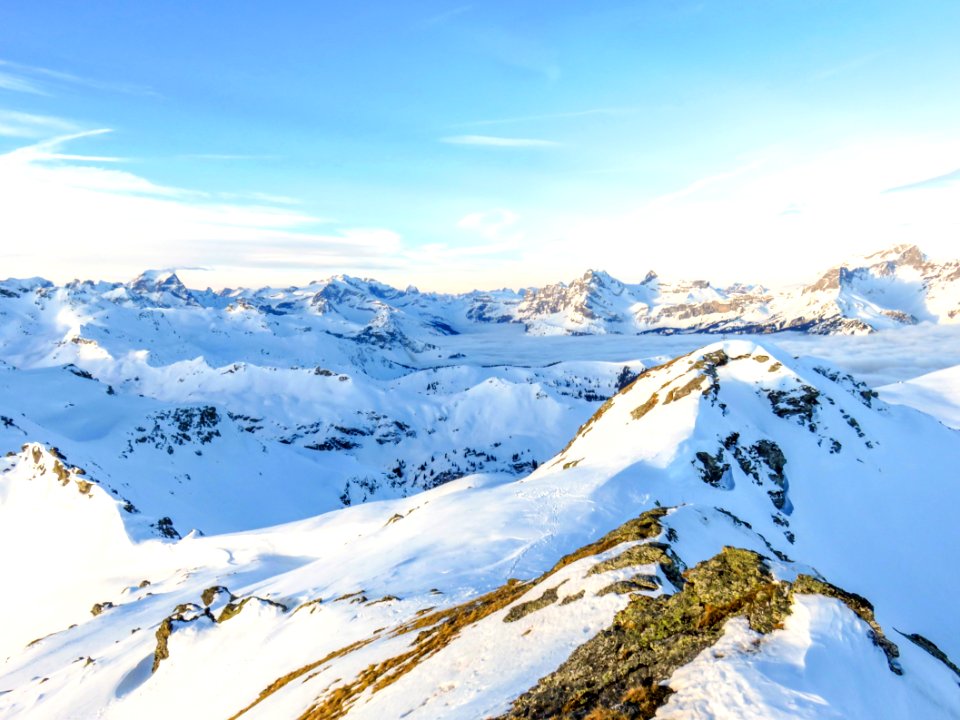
(496, 141)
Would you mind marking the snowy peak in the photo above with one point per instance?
(895, 287)
(899, 255)
(904, 261)
(596, 302)
(891, 288)
(739, 418)
(162, 287)
(898, 286)
(351, 292)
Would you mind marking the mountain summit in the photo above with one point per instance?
(162, 287)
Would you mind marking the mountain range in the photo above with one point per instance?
(349, 500)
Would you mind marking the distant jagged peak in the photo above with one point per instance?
(350, 290)
(883, 263)
(598, 277)
(157, 284)
(156, 278)
(889, 260)
(741, 288)
(902, 254)
(363, 283)
(591, 281)
(588, 298)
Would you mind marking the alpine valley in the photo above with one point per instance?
(592, 500)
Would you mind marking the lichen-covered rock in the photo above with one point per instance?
(525, 608)
(213, 593)
(232, 609)
(98, 608)
(622, 671)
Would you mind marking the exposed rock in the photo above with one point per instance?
(183, 614)
(713, 470)
(800, 403)
(232, 609)
(164, 527)
(98, 608)
(211, 594)
(525, 608)
(931, 648)
(638, 583)
(620, 672)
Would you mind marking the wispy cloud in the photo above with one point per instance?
(16, 83)
(49, 149)
(447, 15)
(703, 183)
(933, 182)
(56, 142)
(29, 125)
(227, 157)
(495, 141)
(573, 114)
(495, 224)
(84, 158)
(39, 80)
(261, 197)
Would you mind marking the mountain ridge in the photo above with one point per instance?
(889, 288)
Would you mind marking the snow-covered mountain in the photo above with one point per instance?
(735, 533)
(895, 287)
(347, 499)
(156, 311)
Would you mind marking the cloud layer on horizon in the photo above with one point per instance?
(87, 215)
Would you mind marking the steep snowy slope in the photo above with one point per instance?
(684, 542)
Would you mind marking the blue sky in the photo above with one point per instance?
(458, 145)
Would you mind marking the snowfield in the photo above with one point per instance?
(347, 500)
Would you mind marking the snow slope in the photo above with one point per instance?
(936, 393)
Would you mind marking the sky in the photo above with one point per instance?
(456, 145)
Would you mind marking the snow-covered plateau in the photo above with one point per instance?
(593, 500)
